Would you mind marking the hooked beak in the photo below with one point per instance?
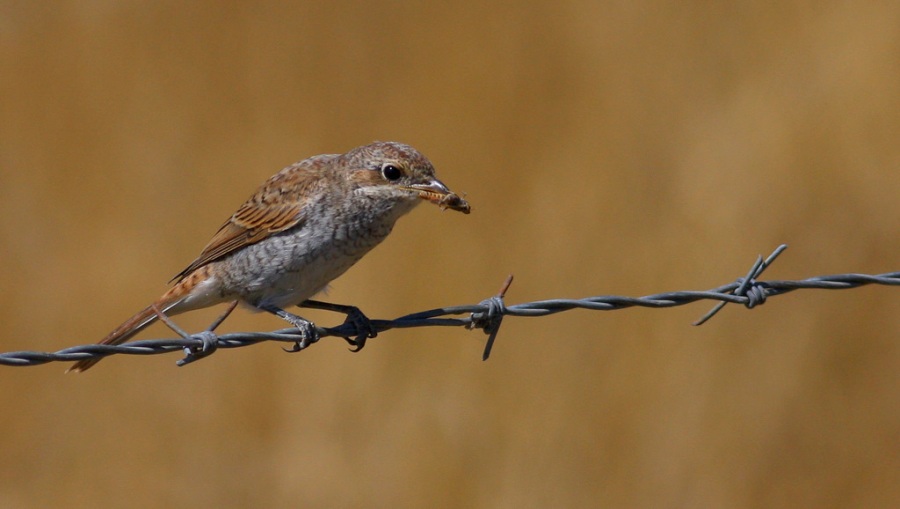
(436, 192)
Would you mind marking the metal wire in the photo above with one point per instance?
(487, 315)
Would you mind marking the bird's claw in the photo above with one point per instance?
(309, 333)
(363, 326)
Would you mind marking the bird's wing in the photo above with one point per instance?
(277, 205)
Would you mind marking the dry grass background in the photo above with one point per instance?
(607, 148)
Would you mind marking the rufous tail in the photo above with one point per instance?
(145, 317)
(121, 334)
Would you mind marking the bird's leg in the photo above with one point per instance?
(355, 317)
(307, 328)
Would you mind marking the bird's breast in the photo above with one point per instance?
(292, 266)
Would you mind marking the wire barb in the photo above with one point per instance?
(489, 321)
(487, 315)
(748, 287)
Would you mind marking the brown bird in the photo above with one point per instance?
(302, 228)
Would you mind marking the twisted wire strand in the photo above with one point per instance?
(487, 316)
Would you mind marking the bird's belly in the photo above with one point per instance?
(285, 270)
(295, 285)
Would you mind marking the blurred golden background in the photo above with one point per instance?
(607, 148)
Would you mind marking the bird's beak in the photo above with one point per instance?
(436, 192)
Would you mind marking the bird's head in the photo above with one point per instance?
(400, 173)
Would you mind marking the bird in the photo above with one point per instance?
(302, 228)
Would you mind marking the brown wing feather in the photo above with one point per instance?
(275, 207)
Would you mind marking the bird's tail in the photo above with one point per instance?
(171, 303)
(190, 292)
(141, 320)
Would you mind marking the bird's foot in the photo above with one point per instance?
(308, 331)
(360, 322)
(363, 326)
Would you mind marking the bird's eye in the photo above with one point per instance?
(391, 172)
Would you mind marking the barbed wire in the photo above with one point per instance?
(487, 316)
